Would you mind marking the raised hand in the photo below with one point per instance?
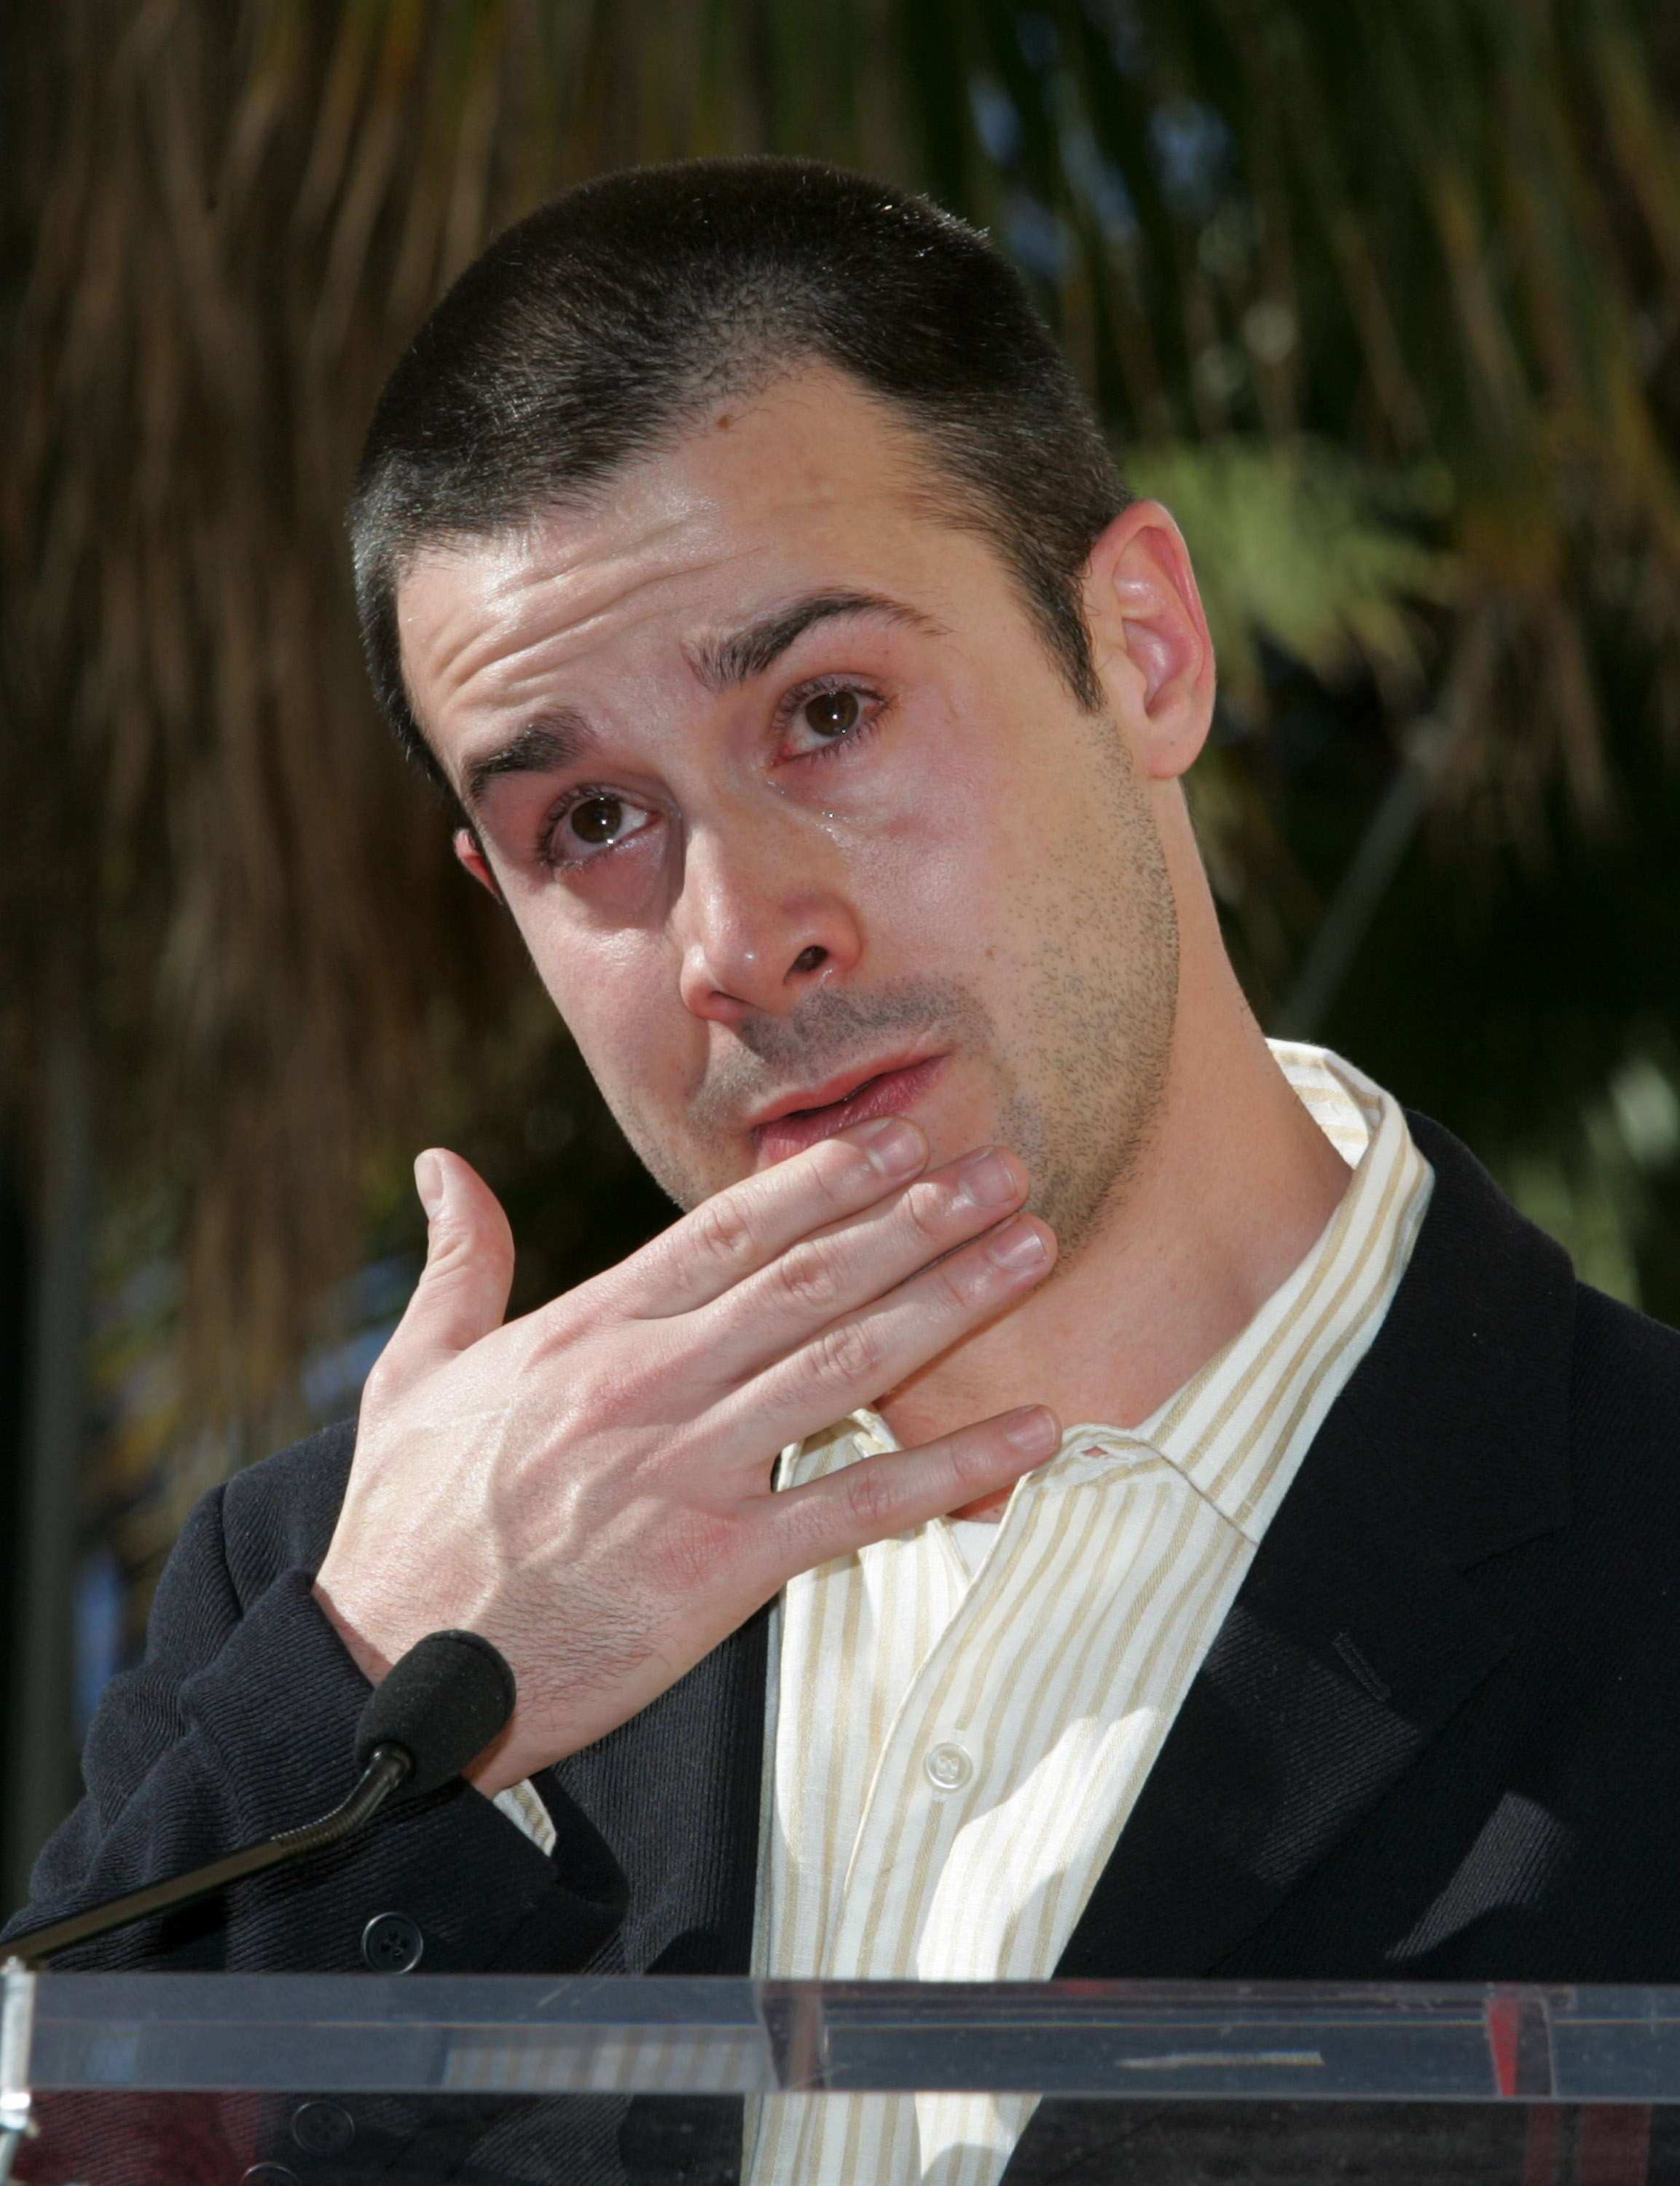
(589, 1486)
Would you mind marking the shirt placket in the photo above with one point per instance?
(923, 1564)
(926, 1765)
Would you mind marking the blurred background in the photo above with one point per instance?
(1383, 301)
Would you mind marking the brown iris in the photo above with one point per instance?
(597, 819)
(832, 713)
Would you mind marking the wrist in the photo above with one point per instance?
(372, 1663)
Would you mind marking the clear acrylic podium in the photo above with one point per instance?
(213, 2080)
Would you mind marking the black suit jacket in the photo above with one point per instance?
(1435, 1738)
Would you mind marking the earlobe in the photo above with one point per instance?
(471, 852)
(1149, 638)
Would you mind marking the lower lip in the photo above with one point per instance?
(894, 1093)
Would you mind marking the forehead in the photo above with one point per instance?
(813, 483)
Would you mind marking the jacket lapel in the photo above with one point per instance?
(1356, 1635)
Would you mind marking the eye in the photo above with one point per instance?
(819, 720)
(598, 821)
(831, 712)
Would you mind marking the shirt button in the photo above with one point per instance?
(391, 1943)
(322, 2128)
(947, 1767)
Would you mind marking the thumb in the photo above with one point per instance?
(462, 1291)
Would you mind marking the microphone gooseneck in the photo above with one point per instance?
(436, 1710)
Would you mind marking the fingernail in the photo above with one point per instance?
(428, 1182)
(894, 1146)
(988, 1181)
(1033, 1432)
(1017, 1247)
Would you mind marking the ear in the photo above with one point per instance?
(1148, 638)
(471, 852)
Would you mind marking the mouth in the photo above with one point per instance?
(853, 1098)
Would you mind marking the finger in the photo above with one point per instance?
(861, 1355)
(839, 1268)
(880, 1496)
(462, 1291)
(742, 1228)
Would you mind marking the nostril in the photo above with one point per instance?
(809, 959)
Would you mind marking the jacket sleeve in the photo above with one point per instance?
(239, 1721)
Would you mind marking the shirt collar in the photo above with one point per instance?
(1238, 1427)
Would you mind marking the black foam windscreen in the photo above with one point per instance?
(443, 1702)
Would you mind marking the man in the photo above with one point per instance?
(737, 552)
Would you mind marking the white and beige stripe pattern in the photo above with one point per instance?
(952, 1756)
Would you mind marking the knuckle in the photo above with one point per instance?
(378, 1387)
(846, 1356)
(629, 1392)
(807, 1279)
(969, 1281)
(958, 1285)
(970, 1456)
(837, 1169)
(634, 1380)
(870, 1499)
(723, 1232)
(693, 1553)
(927, 1210)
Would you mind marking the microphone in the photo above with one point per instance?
(434, 1713)
(440, 1706)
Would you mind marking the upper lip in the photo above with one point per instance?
(832, 1090)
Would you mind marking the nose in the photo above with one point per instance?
(761, 919)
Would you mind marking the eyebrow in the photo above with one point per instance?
(723, 662)
(541, 747)
(559, 739)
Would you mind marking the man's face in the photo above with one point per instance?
(798, 819)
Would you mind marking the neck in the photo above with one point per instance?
(1235, 1186)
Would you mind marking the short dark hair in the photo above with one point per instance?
(597, 329)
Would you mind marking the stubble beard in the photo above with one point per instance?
(1104, 996)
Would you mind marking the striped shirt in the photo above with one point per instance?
(961, 1719)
